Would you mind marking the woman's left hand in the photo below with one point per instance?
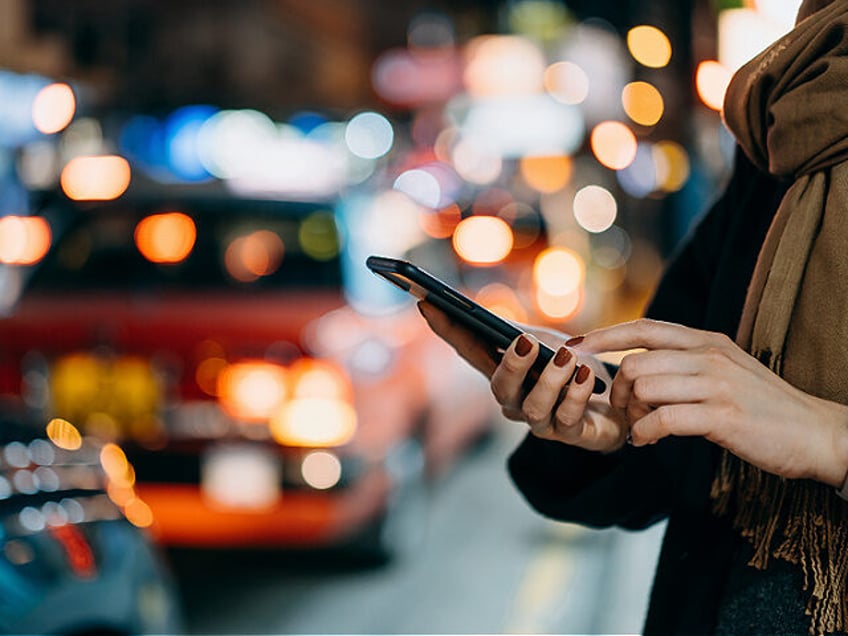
(693, 382)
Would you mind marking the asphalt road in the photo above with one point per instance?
(487, 565)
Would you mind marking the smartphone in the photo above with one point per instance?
(488, 326)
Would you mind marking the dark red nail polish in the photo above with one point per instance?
(562, 357)
(573, 342)
(523, 346)
(582, 374)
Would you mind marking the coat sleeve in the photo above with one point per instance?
(635, 487)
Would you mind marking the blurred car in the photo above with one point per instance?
(71, 563)
(210, 337)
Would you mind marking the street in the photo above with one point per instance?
(488, 564)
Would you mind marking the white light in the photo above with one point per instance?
(31, 519)
(475, 161)
(25, 482)
(595, 208)
(235, 142)
(16, 455)
(522, 125)
(241, 477)
(420, 186)
(321, 470)
(369, 135)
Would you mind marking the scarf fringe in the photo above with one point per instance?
(814, 533)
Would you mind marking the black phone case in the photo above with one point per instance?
(489, 326)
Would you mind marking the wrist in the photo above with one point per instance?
(835, 471)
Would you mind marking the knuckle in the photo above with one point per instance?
(641, 389)
(666, 419)
(627, 368)
(533, 412)
(499, 392)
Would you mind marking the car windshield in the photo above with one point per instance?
(199, 245)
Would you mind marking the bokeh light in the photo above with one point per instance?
(643, 103)
(53, 108)
(503, 65)
(64, 434)
(711, 80)
(321, 470)
(167, 237)
(639, 179)
(613, 144)
(421, 186)
(475, 161)
(316, 422)
(566, 82)
(369, 135)
(96, 178)
(24, 240)
(502, 300)
(483, 240)
(319, 236)
(440, 224)
(595, 208)
(649, 46)
(252, 391)
(254, 255)
(558, 271)
(546, 174)
(672, 165)
(312, 378)
(558, 306)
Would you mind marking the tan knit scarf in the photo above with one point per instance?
(788, 108)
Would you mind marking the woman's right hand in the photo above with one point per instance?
(573, 416)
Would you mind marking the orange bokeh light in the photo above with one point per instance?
(649, 46)
(254, 255)
(167, 237)
(24, 240)
(483, 240)
(643, 103)
(441, 223)
(100, 178)
(558, 271)
(252, 391)
(546, 174)
(613, 144)
(53, 108)
(312, 378)
(502, 300)
(711, 80)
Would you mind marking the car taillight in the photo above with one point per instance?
(252, 391)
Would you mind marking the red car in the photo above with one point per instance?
(211, 339)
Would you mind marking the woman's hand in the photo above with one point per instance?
(692, 382)
(574, 416)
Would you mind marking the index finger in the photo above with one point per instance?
(478, 353)
(643, 333)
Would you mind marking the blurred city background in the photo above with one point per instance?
(213, 417)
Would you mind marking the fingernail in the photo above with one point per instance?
(562, 357)
(573, 342)
(582, 374)
(523, 346)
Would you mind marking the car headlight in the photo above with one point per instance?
(252, 391)
(314, 422)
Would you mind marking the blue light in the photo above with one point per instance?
(17, 94)
(182, 131)
(307, 121)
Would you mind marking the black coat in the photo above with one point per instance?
(704, 287)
